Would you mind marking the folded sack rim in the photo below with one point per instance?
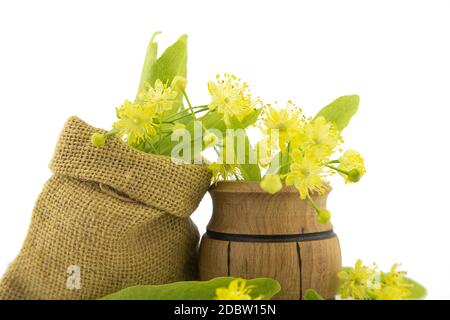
(140, 176)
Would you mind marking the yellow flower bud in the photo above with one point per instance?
(271, 183)
(178, 126)
(323, 216)
(210, 139)
(98, 139)
(179, 83)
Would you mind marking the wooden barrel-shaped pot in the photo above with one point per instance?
(255, 234)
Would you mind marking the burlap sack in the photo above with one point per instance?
(107, 219)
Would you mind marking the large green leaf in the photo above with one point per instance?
(340, 111)
(194, 290)
(172, 63)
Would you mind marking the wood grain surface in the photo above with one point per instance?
(242, 208)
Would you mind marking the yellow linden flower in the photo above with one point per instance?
(391, 293)
(179, 83)
(230, 97)
(222, 172)
(393, 285)
(394, 277)
(159, 97)
(237, 290)
(285, 121)
(271, 183)
(319, 137)
(356, 282)
(135, 122)
(305, 174)
(352, 162)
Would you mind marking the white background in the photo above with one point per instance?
(63, 58)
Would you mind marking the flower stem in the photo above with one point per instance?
(188, 101)
(187, 115)
(337, 169)
(282, 166)
(153, 148)
(313, 203)
(111, 132)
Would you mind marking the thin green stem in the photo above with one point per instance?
(160, 135)
(112, 132)
(282, 166)
(188, 101)
(337, 169)
(313, 203)
(153, 147)
(287, 154)
(187, 115)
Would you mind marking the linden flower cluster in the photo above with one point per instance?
(366, 283)
(237, 290)
(295, 151)
(230, 97)
(305, 147)
(141, 120)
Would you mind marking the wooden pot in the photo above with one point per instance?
(254, 234)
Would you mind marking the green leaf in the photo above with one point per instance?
(340, 111)
(194, 290)
(214, 120)
(150, 58)
(172, 63)
(312, 294)
(417, 290)
(250, 172)
(249, 120)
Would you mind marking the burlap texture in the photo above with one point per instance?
(120, 215)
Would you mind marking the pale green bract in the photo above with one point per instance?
(150, 58)
(194, 290)
(172, 63)
(340, 111)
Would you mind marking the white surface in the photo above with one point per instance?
(61, 58)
